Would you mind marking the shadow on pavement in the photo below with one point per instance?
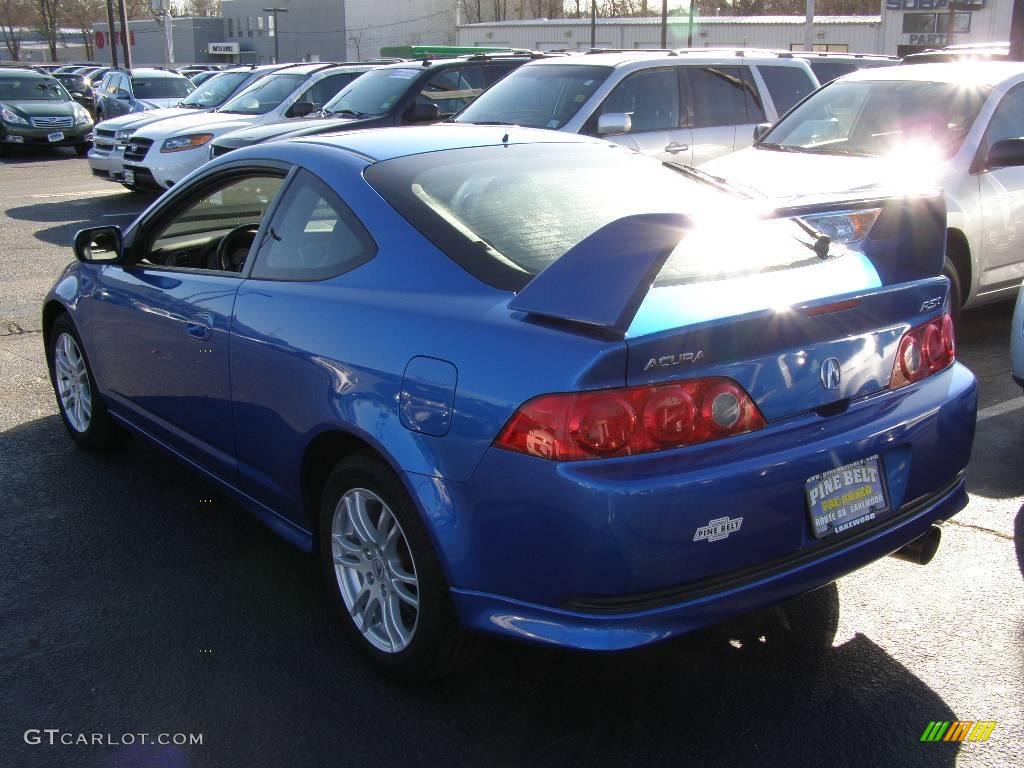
(134, 599)
(998, 451)
(71, 214)
(1018, 538)
(27, 156)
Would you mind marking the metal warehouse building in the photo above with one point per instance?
(905, 26)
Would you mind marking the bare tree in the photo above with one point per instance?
(81, 14)
(196, 7)
(48, 22)
(15, 16)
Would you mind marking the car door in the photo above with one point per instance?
(719, 97)
(288, 317)
(656, 106)
(121, 104)
(1002, 200)
(161, 320)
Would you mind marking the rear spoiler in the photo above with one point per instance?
(601, 282)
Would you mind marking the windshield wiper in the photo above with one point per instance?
(350, 112)
(835, 151)
(777, 147)
(718, 182)
(483, 122)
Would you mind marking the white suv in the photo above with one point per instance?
(956, 127)
(686, 106)
(160, 155)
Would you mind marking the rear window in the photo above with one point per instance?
(161, 88)
(504, 213)
(786, 85)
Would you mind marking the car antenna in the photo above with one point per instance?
(504, 139)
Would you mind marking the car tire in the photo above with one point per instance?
(82, 149)
(81, 407)
(5, 150)
(956, 293)
(371, 581)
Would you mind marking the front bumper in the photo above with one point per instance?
(601, 555)
(107, 162)
(164, 170)
(20, 136)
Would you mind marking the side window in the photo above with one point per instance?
(718, 96)
(1008, 119)
(755, 109)
(498, 69)
(314, 236)
(324, 90)
(786, 85)
(651, 97)
(452, 89)
(115, 84)
(215, 229)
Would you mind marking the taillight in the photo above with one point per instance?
(924, 350)
(623, 422)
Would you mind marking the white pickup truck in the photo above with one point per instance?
(956, 127)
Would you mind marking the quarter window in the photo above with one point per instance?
(313, 236)
(651, 97)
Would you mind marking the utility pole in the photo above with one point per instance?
(111, 40)
(809, 27)
(593, 24)
(689, 34)
(125, 50)
(277, 30)
(664, 23)
(1017, 31)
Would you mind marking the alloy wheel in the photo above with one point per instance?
(375, 570)
(72, 382)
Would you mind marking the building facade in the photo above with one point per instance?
(904, 26)
(192, 35)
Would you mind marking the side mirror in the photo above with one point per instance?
(122, 95)
(423, 113)
(301, 109)
(761, 129)
(98, 244)
(614, 122)
(1007, 153)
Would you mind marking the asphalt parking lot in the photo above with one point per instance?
(133, 599)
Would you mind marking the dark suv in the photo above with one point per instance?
(405, 93)
(122, 91)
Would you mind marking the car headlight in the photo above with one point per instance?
(82, 116)
(124, 134)
(181, 143)
(9, 116)
(844, 226)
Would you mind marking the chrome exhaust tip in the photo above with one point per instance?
(921, 550)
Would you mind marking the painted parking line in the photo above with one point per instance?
(127, 213)
(1000, 408)
(83, 193)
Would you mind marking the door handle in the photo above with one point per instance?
(675, 147)
(199, 327)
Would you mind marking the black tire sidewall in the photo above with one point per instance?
(420, 660)
(956, 296)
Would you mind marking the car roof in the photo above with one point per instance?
(26, 71)
(660, 57)
(152, 73)
(962, 73)
(378, 144)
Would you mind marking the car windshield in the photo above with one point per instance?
(15, 88)
(541, 96)
(827, 71)
(215, 91)
(264, 95)
(506, 212)
(161, 87)
(373, 93)
(879, 118)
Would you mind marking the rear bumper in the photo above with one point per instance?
(604, 554)
(708, 604)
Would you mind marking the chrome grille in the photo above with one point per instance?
(53, 122)
(136, 149)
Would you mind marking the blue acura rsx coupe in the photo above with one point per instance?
(517, 383)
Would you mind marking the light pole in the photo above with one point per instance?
(277, 29)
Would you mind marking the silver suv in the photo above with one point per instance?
(686, 106)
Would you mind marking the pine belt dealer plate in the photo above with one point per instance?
(55, 136)
(846, 497)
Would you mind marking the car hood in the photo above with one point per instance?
(217, 123)
(260, 133)
(795, 174)
(42, 108)
(139, 119)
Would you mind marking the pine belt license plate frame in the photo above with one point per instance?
(847, 497)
